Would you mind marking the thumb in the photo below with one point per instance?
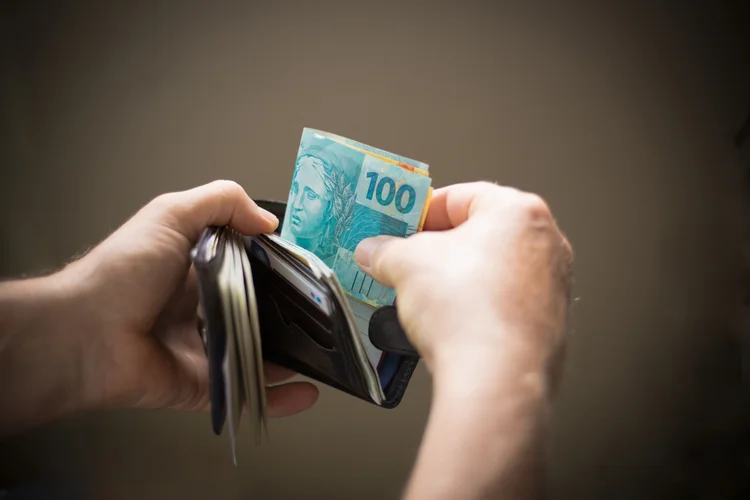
(384, 258)
(219, 203)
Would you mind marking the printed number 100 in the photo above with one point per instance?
(385, 192)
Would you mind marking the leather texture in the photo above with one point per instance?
(387, 334)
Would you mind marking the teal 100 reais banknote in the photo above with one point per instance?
(344, 191)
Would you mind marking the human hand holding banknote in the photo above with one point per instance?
(483, 294)
(485, 252)
(475, 263)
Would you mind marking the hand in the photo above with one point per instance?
(486, 285)
(483, 294)
(135, 303)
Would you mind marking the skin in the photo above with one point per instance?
(493, 339)
(309, 205)
(483, 294)
(117, 328)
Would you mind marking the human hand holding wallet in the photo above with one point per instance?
(296, 297)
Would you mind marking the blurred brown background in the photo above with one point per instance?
(620, 115)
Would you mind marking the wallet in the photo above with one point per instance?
(296, 334)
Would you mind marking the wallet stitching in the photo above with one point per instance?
(403, 351)
(402, 381)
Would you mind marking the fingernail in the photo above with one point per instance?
(269, 216)
(363, 252)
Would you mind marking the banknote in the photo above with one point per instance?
(365, 148)
(344, 191)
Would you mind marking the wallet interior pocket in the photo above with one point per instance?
(292, 315)
(298, 335)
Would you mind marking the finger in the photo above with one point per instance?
(384, 258)
(189, 385)
(273, 374)
(282, 400)
(290, 399)
(219, 203)
(451, 206)
(183, 306)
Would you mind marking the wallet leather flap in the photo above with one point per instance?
(387, 334)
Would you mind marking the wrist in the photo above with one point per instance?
(487, 382)
(494, 365)
(40, 352)
(487, 429)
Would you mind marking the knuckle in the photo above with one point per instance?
(168, 209)
(487, 186)
(227, 188)
(398, 257)
(495, 197)
(164, 202)
(491, 190)
(568, 248)
(386, 258)
(534, 207)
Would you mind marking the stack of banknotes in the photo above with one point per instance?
(342, 191)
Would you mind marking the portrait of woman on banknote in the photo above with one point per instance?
(321, 200)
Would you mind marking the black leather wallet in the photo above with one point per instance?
(296, 334)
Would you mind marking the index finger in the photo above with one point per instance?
(452, 205)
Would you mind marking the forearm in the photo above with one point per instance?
(485, 437)
(39, 370)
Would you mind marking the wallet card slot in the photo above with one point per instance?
(291, 341)
(301, 278)
(277, 280)
(293, 310)
(314, 331)
(288, 322)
